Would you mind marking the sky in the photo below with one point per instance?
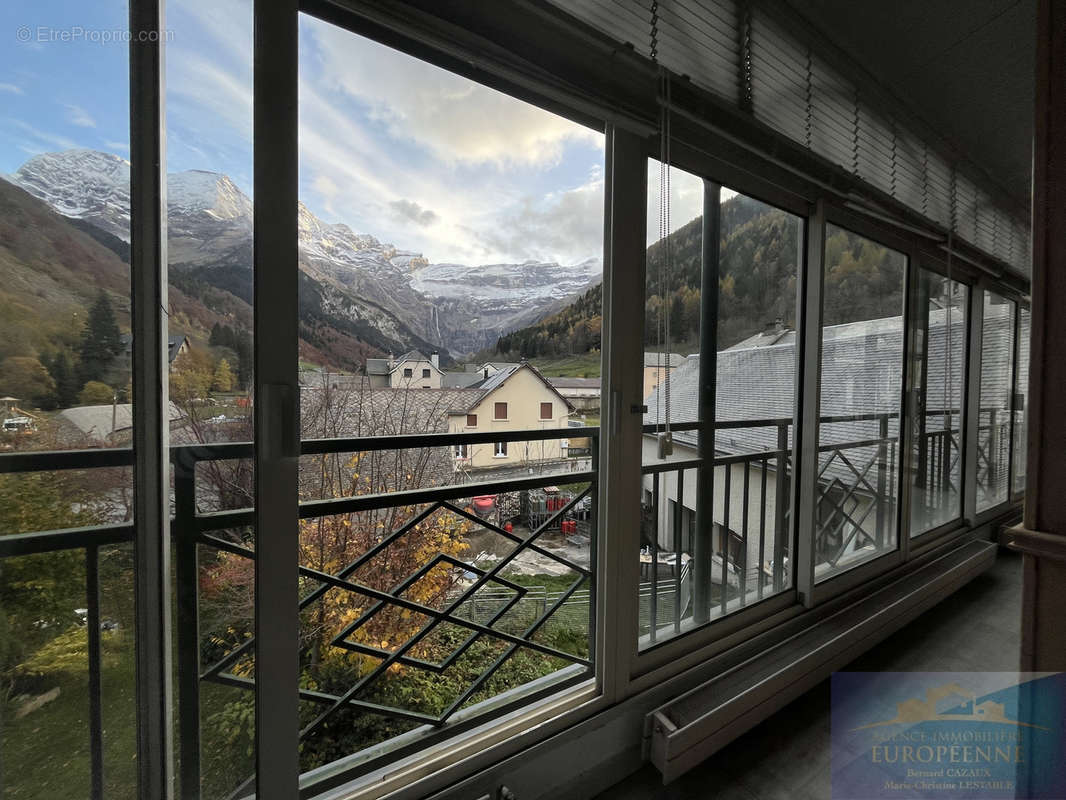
(391, 146)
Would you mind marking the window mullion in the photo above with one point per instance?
(703, 546)
(617, 571)
(277, 430)
(809, 338)
(151, 427)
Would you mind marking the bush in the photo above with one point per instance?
(96, 393)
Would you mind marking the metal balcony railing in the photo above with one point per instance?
(750, 559)
(192, 529)
(856, 509)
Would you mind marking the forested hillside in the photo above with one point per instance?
(760, 249)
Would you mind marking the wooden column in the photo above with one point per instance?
(1042, 536)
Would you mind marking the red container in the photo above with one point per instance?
(507, 526)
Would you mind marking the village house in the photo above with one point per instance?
(657, 366)
(514, 398)
(412, 370)
(583, 393)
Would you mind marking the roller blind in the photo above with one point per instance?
(740, 52)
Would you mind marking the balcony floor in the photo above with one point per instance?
(787, 756)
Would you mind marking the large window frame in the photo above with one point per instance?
(704, 638)
(621, 669)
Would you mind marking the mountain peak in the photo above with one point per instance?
(212, 193)
(87, 184)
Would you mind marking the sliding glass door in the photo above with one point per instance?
(861, 377)
(937, 401)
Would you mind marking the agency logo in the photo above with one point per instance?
(948, 735)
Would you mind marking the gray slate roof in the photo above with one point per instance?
(575, 383)
(96, 421)
(862, 365)
(497, 379)
(663, 359)
(459, 380)
(380, 366)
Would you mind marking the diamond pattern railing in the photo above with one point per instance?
(194, 530)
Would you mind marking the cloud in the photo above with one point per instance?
(564, 226)
(686, 199)
(77, 115)
(408, 209)
(50, 139)
(11, 88)
(458, 120)
(117, 146)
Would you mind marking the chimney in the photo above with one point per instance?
(486, 373)
(434, 359)
(779, 325)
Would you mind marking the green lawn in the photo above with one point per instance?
(586, 365)
(47, 751)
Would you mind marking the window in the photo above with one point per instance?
(994, 415)
(861, 395)
(437, 219)
(754, 359)
(940, 372)
(545, 410)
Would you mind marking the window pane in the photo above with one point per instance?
(454, 234)
(940, 373)
(673, 284)
(1021, 405)
(994, 419)
(744, 558)
(861, 393)
(65, 342)
(210, 206)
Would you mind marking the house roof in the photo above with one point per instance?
(488, 385)
(575, 383)
(381, 366)
(862, 367)
(363, 410)
(96, 421)
(656, 359)
(459, 380)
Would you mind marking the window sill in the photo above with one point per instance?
(466, 751)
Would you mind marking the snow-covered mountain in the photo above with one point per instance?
(84, 184)
(457, 307)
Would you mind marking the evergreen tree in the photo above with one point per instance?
(61, 368)
(101, 341)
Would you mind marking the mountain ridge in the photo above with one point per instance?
(398, 293)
